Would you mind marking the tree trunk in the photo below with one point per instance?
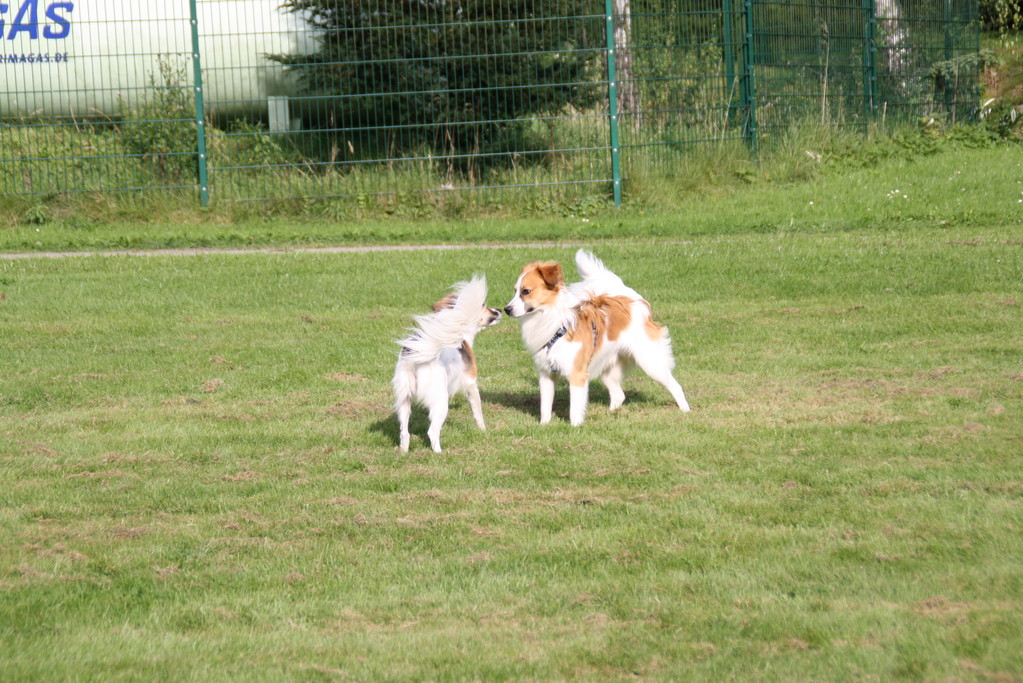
(628, 92)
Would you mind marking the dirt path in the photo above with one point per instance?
(205, 251)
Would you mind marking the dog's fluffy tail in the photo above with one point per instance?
(447, 327)
(597, 279)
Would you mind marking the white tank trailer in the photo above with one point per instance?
(93, 58)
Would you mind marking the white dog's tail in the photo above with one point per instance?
(597, 279)
(447, 327)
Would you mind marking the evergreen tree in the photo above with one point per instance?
(449, 73)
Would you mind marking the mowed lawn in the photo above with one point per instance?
(199, 474)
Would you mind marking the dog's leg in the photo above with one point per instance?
(676, 392)
(658, 366)
(472, 392)
(434, 397)
(546, 397)
(404, 410)
(438, 413)
(404, 388)
(578, 396)
(612, 379)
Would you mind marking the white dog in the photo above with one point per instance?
(437, 359)
(598, 327)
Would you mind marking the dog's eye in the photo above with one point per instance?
(525, 291)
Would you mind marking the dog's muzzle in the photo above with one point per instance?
(514, 311)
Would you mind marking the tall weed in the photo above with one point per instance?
(160, 131)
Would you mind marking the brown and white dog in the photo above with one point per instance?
(437, 360)
(596, 327)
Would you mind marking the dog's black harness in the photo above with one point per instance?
(552, 366)
(557, 335)
(562, 332)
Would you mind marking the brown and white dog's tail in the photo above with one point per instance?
(597, 279)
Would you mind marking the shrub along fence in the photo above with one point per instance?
(246, 100)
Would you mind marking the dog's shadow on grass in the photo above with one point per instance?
(525, 402)
(528, 402)
(388, 426)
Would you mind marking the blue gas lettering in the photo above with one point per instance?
(26, 20)
(63, 28)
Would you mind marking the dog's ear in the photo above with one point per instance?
(550, 271)
(446, 302)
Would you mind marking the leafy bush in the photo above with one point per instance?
(1001, 15)
(160, 129)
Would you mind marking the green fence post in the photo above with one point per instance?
(869, 61)
(749, 96)
(200, 114)
(612, 95)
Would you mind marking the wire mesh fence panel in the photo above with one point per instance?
(679, 84)
(927, 55)
(426, 97)
(809, 62)
(431, 103)
(92, 98)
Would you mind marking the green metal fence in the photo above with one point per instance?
(247, 100)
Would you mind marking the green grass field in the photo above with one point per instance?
(201, 481)
(200, 478)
